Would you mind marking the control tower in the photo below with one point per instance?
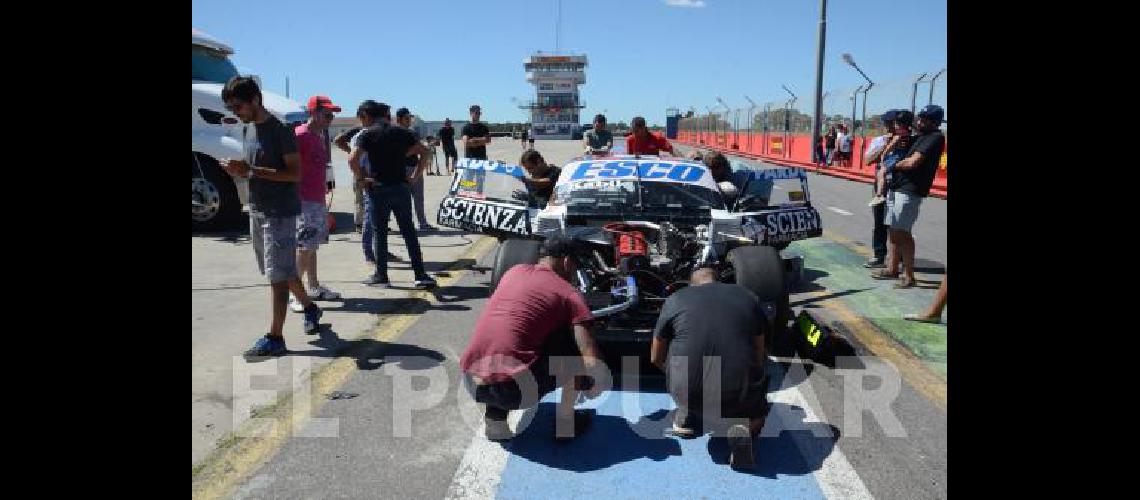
(554, 110)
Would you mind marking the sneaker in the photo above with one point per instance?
(582, 421)
(295, 305)
(312, 316)
(875, 264)
(878, 200)
(267, 346)
(394, 258)
(377, 281)
(424, 228)
(497, 430)
(740, 442)
(322, 293)
(425, 282)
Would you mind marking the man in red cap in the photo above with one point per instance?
(312, 225)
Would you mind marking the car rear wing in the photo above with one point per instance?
(480, 199)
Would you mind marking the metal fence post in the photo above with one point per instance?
(914, 91)
(863, 125)
(933, 79)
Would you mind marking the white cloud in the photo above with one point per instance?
(685, 3)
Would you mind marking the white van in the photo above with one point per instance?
(216, 134)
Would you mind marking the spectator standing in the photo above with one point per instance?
(913, 177)
(829, 144)
(598, 140)
(387, 146)
(873, 157)
(404, 119)
(312, 226)
(271, 163)
(476, 135)
(447, 139)
(643, 142)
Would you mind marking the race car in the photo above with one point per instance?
(642, 224)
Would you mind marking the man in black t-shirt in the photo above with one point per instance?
(726, 323)
(476, 136)
(447, 139)
(273, 167)
(912, 178)
(387, 183)
(542, 178)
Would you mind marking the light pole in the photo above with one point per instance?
(914, 91)
(817, 112)
(751, 121)
(787, 118)
(712, 124)
(735, 125)
(862, 125)
(932, 80)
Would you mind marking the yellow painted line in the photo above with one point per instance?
(849, 243)
(220, 473)
(922, 378)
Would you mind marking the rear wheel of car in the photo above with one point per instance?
(216, 205)
(511, 252)
(761, 270)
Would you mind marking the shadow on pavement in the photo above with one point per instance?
(609, 441)
(781, 455)
(402, 305)
(821, 298)
(371, 354)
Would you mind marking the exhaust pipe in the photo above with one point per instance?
(630, 292)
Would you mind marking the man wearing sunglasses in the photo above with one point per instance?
(273, 167)
(313, 226)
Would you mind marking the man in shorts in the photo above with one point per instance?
(313, 225)
(273, 167)
(723, 322)
(912, 178)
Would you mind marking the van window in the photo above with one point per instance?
(211, 65)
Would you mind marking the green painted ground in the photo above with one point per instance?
(838, 269)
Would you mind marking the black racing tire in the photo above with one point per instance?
(513, 251)
(760, 269)
(215, 189)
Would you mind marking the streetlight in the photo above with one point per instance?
(751, 121)
(932, 80)
(817, 112)
(862, 125)
(787, 117)
(735, 124)
(712, 124)
(914, 91)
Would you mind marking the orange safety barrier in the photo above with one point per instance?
(796, 151)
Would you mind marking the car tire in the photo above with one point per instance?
(216, 190)
(513, 251)
(760, 269)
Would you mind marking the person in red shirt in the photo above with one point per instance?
(641, 142)
(535, 322)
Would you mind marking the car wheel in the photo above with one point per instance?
(513, 251)
(761, 270)
(215, 204)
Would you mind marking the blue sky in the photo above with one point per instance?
(437, 57)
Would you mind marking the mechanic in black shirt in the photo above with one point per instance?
(447, 139)
(476, 136)
(913, 177)
(724, 322)
(387, 147)
(542, 178)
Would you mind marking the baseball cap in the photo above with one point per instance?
(322, 101)
(556, 246)
(904, 117)
(889, 116)
(932, 112)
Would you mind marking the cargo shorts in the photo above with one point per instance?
(274, 241)
(312, 226)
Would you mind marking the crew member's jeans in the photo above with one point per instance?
(879, 233)
(418, 199)
(388, 199)
(367, 238)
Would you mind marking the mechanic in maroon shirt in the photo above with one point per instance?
(535, 321)
(642, 142)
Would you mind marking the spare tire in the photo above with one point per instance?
(513, 251)
(761, 270)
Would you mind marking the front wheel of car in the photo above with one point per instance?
(761, 270)
(513, 251)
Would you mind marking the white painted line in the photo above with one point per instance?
(481, 468)
(839, 211)
(836, 477)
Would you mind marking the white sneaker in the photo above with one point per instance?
(878, 200)
(322, 293)
(295, 305)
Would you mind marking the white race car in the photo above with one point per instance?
(643, 223)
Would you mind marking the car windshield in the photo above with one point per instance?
(624, 193)
(211, 66)
(481, 184)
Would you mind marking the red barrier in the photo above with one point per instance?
(797, 151)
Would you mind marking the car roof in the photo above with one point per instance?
(197, 37)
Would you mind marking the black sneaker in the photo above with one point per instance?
(740, 442)
(875, 264)
(267, 346)
(582, 421)
(377, 281)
